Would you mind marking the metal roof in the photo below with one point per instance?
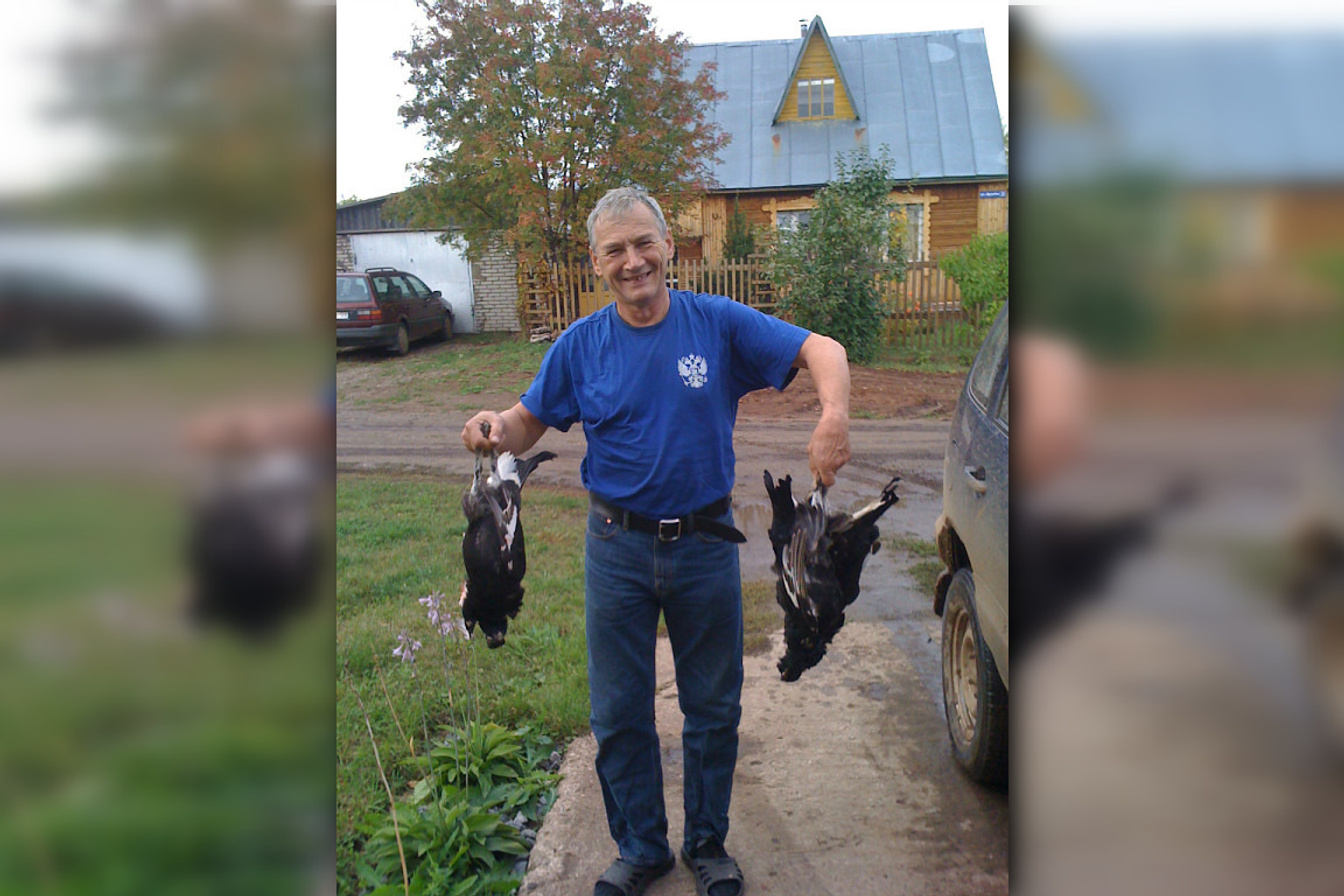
(1228, 109)
(365, 216)
(927, 96)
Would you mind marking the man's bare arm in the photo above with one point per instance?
(828, 449)
(515, 430)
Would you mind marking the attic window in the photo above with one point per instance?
(816, 97)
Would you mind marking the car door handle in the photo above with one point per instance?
(975, 478)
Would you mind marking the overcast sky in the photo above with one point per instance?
(373, 148)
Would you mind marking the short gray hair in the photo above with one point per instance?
(618, 202)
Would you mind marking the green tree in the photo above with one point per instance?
(980, 270)
(535, 108)
(831, 273)
(739, 240)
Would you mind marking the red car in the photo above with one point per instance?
(388, 308)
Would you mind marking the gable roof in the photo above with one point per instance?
(816, 28)
(1209, 109)
(928, 96)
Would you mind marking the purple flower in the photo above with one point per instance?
(406, 648)
(441, 618)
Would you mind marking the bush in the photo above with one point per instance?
(980, 269)
(738, 239)
(457, 834)
(830, 273)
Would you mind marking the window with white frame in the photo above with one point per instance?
(793, 221)
(914, 230)
(816, 97)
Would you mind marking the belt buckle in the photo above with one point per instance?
(664, 525)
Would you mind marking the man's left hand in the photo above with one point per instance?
(828, 450)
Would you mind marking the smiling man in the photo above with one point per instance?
(655, 379)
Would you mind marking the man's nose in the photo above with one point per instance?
(632, 257)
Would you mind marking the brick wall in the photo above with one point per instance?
(345, 256)
(494, 282)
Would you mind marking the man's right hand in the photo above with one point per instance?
(475, 440)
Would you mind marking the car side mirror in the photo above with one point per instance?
(436, 294)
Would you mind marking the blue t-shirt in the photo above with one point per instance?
(658, 403)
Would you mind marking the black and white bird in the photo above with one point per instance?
(493, 550)
(255, 549)
(818, 561)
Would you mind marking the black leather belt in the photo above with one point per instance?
(702, 520)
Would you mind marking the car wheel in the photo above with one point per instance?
(403, 343)
(974, 697)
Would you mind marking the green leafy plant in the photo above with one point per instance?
(454, 837)
(451, 845)
(739, 240)
(830, 273)
(491, 766)
(980, 269)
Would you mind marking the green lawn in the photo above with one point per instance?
(143, 755)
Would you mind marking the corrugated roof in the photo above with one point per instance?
(927, 96)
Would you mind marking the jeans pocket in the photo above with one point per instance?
(602, 527)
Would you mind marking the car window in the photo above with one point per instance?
(380, 285)
(418, 286)
(399, 288)
(351, 289)
(981, 381)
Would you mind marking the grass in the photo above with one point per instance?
(470, 364)
(913, 358)
(398, 539)
(925, 573)
(145, 755)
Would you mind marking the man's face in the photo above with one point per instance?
(631, 255)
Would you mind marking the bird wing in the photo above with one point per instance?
(793, 574)
(871, 513)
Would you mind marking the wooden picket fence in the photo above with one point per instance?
(923, 311)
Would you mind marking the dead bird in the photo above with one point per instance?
(493, 549)
(254, 542)
(819, 558)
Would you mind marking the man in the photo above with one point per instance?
(655, 379)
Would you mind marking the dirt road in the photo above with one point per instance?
(844, 781)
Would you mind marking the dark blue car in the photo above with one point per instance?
(972, 593)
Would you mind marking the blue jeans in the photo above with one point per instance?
(695, 583)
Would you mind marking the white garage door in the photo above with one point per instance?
(441, 266)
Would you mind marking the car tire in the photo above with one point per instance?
(403, 342)
(446, 328)
(974, 697)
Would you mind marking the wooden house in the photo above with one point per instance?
(793, 106)
(1243, 134)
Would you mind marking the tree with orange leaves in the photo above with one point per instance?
(535, 108)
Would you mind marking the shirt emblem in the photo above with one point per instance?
(694, 371)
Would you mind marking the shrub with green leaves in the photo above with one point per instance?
(980, 270)
(739, 240)
(453, 831)
(830, 273)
